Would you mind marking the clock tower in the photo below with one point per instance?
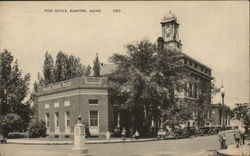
(170, 31)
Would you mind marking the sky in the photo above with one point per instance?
(214, 33)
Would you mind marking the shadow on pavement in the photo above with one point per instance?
(212, 152)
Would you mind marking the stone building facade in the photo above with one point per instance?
(60, 104)
(200, 76)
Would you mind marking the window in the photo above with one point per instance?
(56, 104)
(93, 115)
(209, 72)
(56, 119)
(47, 119)
(67, 119)
(195, 90)
(56, 86)
(46, 106)
(93, 101)
(201, 69)
(67, 103)
(66, 84)
(93, 80)
(186, 89)
(190, 90)
(190, 63)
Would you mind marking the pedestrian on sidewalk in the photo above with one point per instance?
(242, 130)
(107, 135)
(237, 136)
(222, 139)
(136, 135)
(123, 133)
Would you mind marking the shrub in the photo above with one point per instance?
(17, 135)
(36, 128)
(10, 123)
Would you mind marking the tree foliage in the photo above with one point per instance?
(48, 69)
(66, 67)
(242, 113)
(88, 71)
(37, 128)
(97, 66)
(10, 123)
(144, 83)
(14, 89)
(34, 98)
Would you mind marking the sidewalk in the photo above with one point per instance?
(70, 142)
(243, 150)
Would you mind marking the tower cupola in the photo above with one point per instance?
(170, 31)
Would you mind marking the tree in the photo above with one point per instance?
(60, 67)
(48, 69)
(10, 123)
(37, 128)
(34, 99)
(242, 113)
(74, 67)
(144, 84)
(97, 66)
(14, 89)
(6, 60)
(88, 71)
(67, 67)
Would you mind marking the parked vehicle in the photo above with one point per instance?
(191, 131)
(3, 140)
(180, 133)
(214, 130)
(203, 131)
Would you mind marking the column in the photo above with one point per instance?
(118, 119)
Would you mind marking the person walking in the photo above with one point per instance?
(237, 136)
(107, 135)
(242, 131)
(136, 135)
(222, 139)
(123, 133)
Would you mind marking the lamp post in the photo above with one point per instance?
(222, 96)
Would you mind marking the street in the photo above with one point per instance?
(199, 146)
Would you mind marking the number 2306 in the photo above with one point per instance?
(116, 10)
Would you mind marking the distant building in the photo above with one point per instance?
(219, 114)
(60, 104)
(107, 69)
(243, 105)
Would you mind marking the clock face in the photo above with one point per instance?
(167, 31)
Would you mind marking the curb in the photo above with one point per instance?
(223, 154)
(22, 143)
(94, 142)
(71, 143)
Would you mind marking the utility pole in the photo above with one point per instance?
(1, 85)
(223, 95)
